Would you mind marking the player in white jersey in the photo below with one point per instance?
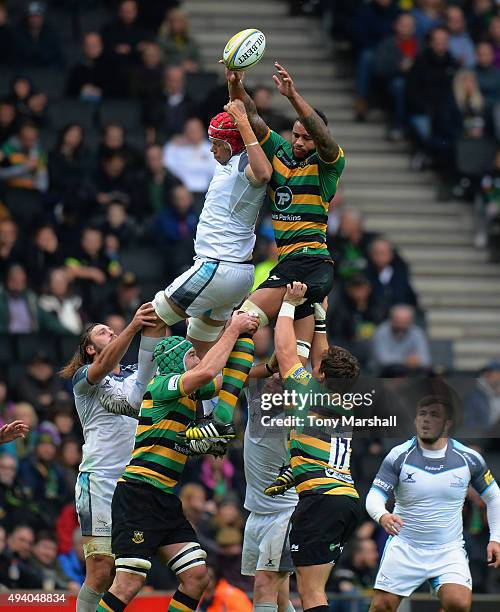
(266, 548)
(107, 397)
(429, 476)
(222, 274)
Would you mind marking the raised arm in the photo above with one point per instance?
(320, 339)
(259, 170)
(108, 359)
(285, 341)
(327, 148)
(237, 92)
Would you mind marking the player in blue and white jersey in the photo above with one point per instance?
(107, 398)
(429, 476)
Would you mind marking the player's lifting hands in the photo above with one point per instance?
(493, 554)
(391, 523)
(295, 293)
(244, 322)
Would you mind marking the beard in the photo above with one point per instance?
(432, 439)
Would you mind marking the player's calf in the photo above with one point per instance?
(125, 586)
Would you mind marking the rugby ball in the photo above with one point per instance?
(244, 49)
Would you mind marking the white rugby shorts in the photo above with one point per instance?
(266, 544)
(93, 497)
(212, 288)
(404, 567)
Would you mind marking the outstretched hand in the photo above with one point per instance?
(295, 293)
(11, 431)
(284, 82)
(236, 109)
(234, 77)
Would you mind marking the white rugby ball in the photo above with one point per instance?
(244, 49)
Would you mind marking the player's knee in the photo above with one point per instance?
(195, 581)
(456, 603)
(199, 330)
(381, 603)
(249, 306)
(164, 309)
(265, 586)
(99, 572)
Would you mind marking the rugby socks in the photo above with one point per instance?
(290, 607)
(265, 607)
(145, 371)
(234, 377)
(181, 602)
(111, 603)
(87, 599)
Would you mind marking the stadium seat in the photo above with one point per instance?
(442, 354)
(124, 112)
(25, 205)
(199, 83)
(144, 262)
(474, 157)
(65, 111)
(67, 345)
(7, 349)
(15, 372)
(47, 80)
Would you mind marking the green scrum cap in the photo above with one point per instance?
(170, 354)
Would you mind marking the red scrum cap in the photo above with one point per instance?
(223, 128)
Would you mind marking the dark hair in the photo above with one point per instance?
(45, 535)
(339, 364)
(80, 357)
(63, 131)
(429, 400)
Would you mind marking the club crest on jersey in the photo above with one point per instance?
(409, 477)
(458, 483)
(138, 537)
(283, 198)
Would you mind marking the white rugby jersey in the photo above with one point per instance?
(227, 222)
(430, 489)
(109, 438)
(265, 451)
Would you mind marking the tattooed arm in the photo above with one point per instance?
(327, 148)
(237, 92)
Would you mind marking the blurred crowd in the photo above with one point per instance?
(102, 180)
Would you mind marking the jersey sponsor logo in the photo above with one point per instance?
(382, 484)
(301, 374)
(174, 382)
(99, 519)
(409, 477)
(283, 198)
(331, 473)
(459, 482)
(488, 477)
(434, 468)
(138, 537)
(270, 563)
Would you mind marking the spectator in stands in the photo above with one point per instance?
(113, 141)
(389, 277)
(494, 38)
(374, 22)
(40, 386)
(69, 164)
(10, 248)
(73, 562)
(44, 560)
(8, 119)
(482, 403)
(16, 571)
(146, 78)
(220, 596)
(62, 414)
(490, 200)
(479, 16)
(119, 224)
(23, 163)
(229, 541)
(195, 507)
(487, 75)
(265, 266)
(30, 104)
(60, 300)
(350, 246)
(467, 96)
(7, 38)
(22, 447)
(461, 46)
(69, 457)
(175, 228)
(16, 507)
(122, 40)
(115, 183)
(37, 43)
(189, 158)
(429, 14)
(117, 323)
(399, 342)
(263, 344)
(429, 86)
(20, 311)
(177, 45)
(263, 98)
(126, 299)
(43, 256)
(40, 475)
(158, 182)
(93, 76)
(352, 320)
(394, 58)
(169, 113)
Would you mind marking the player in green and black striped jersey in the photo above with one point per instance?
(305, 176)
(329, 508)
(147, 516)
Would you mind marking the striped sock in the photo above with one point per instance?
(110, 603)
(234, 377)
(181, 602)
